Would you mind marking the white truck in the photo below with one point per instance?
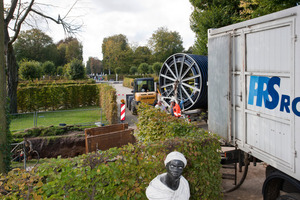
(254, 94)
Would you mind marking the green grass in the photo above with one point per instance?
(29, 163)
(87, 115)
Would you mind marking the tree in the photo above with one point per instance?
(94, 66)
(143, 68)
(263, 7)
(116, 53)
(17, 13)
(49, 68)
(60, 71)
(74, 50)
(212, 14)
(142, 54)
(118, 70)
(35, 45)
(75, 70)
(30, 70)
(219, 13)
(4, 127)
(133, 70)
(156, 67)
(164, 43)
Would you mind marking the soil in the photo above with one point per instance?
(70, 145)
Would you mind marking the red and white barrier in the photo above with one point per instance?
(122, 114)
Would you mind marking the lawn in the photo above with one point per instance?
(82, 116)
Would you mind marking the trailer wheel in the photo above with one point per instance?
(289, 196)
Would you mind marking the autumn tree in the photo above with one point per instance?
(35, 45)
(17, 13)
(164, 43)
(94, 66)
(116, 53)
(142, 54)
(69, 49)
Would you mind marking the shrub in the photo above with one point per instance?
(143, 68)
(154, 125)
(127, 82)
(133, 70)
(60, 71)
(122, 173)
(108, 103)
(49, 68)
(30, 70)
(75, 70)
(156, 67)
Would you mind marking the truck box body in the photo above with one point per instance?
(254, 87)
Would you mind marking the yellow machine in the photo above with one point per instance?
(143, 91)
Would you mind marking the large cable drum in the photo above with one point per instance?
(184, 76)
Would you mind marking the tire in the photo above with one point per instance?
(289, 196)
(129, 102)
(134, 110)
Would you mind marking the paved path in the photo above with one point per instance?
(121, 94)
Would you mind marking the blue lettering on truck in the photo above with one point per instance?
(263, 88)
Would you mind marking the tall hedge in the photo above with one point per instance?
(122, 173)
(53, 97)
(108, 103)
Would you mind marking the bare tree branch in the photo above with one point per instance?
(19, 23)
(11, 11)
(68, 27)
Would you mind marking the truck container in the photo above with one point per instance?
(254, 94)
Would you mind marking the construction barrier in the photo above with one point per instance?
(103, 138)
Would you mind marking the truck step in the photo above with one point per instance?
(228, 176)
(228, 166)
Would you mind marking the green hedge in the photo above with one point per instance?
(55, 97)
(127, 82)
(108, 103)
(122, 173)
(155, 125)
(41, 83)
(129, 79)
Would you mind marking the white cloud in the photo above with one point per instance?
(136, 19)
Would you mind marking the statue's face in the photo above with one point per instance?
(175, 168)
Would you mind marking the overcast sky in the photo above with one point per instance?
(136, 19)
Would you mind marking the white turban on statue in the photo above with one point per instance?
(175, 155)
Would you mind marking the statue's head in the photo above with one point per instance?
(175, 162)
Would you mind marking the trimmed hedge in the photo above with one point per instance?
(129, 79)
(53, 97)
(41, 83)
(122, 173)
(127, 82)
(108, 103)
(155, 125)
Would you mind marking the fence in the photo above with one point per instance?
(82, 117)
